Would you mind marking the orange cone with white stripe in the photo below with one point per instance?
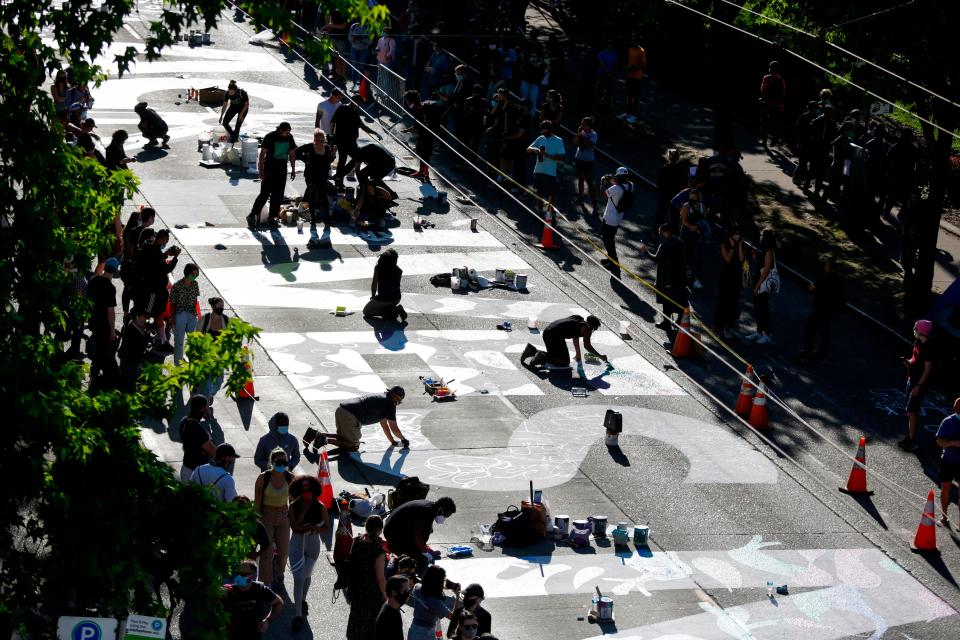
(745, 399)
(546, 240)
(926, 538)
(683, 343)
(759, 419)
(326, 487)
(857, 483)
(247, 392)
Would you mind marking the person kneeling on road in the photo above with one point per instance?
(409, 526)
(555, 337)
(353, 414)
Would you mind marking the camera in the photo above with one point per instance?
(452, 586)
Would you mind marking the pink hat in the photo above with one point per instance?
(923, 327)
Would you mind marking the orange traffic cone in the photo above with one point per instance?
(683, 343)
(198, 310)
(745, 399)
(926, 539)
(247, 393)
(326, 487)
(857, 482)
(546, 240)
(758, 412)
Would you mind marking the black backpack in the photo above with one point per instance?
(516, 527)
(406, 490)
(626, 199)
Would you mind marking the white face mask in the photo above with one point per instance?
(439, 519)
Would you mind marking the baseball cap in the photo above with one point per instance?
(622, 171)
(225, 451)
(111, 265)
(89, 123)
(397, 391)
(284, 126)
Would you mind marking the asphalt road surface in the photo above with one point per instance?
(726, 515)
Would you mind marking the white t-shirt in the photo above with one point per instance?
(611, 216)
(218, 479)
(325, 111)
(386, 47)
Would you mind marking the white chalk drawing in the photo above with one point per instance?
(549, 446)
(824, 605)
(892, 402)
(327, 366)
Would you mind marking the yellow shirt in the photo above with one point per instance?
(274, 496)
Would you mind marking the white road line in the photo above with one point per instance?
(234, 237)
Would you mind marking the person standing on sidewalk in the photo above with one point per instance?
(636, 65)
(617, 190)
(104, 371)
(325, 110)
(195, 439)
(278, 436)
(773, 93)
(829, 299)
(671, 282)
(550, 152)
(277, 149)
(804, 146)
(389, 625)
(693, 228)
(727, 310)
(308, 519)
(672, 178)
(919, 371)
(183, 300)
(767, 282)
(584, 157)
(272, 501)
(606, 66)
(948, 437)
(236, 103)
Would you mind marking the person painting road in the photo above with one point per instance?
(948, 437)
(277, 149)
(919, 370)
(555, 337)
(353, 414)
(236, 103)
(408, 528)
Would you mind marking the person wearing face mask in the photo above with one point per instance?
(278, 436)
(389, 624)
(409, 526)
(277, 149)
(133, 349)
(308, 519)
(195, 438)
(250, 605)
(272, 501)
(919, 371)
(213, 323)
(214, 474)
(367, 580)
(472, 597)
(430, 606)
(352, 415)
(184, 296)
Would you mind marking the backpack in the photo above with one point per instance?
(626, 198)
(517, 527)
(441, 280)
(205, 322)
(406, 490)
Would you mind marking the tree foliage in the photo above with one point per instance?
(91, 520)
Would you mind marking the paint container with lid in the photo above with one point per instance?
(599, 526)
(501, 274)
(538, 497)
(641, 534)
(562, 525)
(206, 38)
(520, 281)
(604, 608)
(581, 524)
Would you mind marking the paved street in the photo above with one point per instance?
(726, 515)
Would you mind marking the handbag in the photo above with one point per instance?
(772, 284)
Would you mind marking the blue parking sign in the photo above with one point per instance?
(86, 630)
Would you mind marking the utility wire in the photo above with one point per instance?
(818, 66)
(843, 50)
(875, 13)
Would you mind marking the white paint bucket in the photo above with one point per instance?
(454, 283)
(520, 281)
(249, 150)
(562, 525)
(208, 155)
(501, 274)
(581, 524)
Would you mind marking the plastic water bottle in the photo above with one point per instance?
(770, 588)
(532, 323)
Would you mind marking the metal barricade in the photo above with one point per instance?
(388, 91)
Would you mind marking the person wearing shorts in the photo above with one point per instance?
(919, 369)
(550, 151)
(948, 437)
(583, 158)
(352, 415)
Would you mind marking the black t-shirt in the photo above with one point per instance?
(388, 283)
(193, 436)
(115, 154)
(375, 155)
(278, 149)
(346, 123)
(133, 345)
(567, 328)
(247, 608)
(371, 409)
(152, 268)
(318, 164)
(237, 99)
(408, 520)
(103, 294)
(389, 624)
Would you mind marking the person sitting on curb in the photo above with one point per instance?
(353, 414)
(555, 337)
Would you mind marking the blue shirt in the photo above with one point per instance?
(583, 154)
(553, 146)
(428, 609)
(950, 430)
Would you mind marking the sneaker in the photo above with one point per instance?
(251, 221)
(528, 353)
(764, 339)
(697, 284)
(401, 312)
(166, 142)
(908, 444)
(404, 443)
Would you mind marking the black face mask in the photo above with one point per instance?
(217, 312)
(401, 598)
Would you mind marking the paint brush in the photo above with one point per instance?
(599, 595)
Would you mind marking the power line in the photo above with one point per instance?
(818, 66)
(846, 51)
(875, 13)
